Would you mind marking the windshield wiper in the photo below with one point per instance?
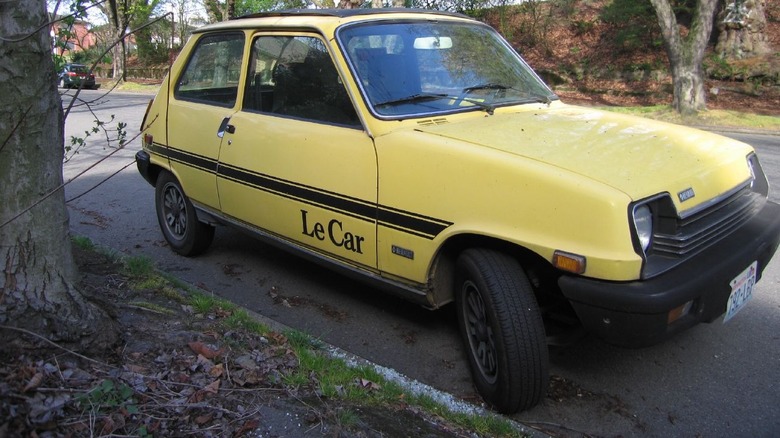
(420, 97)
(424, 97)
(489, 86)
(538, 99)
(485, 106)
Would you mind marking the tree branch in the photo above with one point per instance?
(669, 27)
(47, 24)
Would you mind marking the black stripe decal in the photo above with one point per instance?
(408, 222)
(194, 160)
(198, 161)
(330, 201)
(411, 223)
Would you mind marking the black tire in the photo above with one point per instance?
(502, 329)
(61, 83)
(178, 221)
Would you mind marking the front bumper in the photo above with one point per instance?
(636, 314)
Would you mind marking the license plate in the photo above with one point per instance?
(741, 291)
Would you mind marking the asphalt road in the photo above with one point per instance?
(712, 381)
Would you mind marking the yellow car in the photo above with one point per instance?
(418, 151)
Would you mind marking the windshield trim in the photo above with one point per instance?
(433, 113)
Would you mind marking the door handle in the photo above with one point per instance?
(225, 126)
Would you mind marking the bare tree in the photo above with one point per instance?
(220, 10)
(118, 14)
(185, 13)
(37, 290)
(742, 30)
(687, 52)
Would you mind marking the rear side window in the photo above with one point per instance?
(295, 76)
(213, 71)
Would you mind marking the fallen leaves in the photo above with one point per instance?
(34, 383)
(368, 385)
(192, 387)
(204, 350)
(180, 376)
(201, 394)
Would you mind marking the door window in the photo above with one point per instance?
(295, 76)
(213, 70)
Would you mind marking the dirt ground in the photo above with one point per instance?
(178, 373)
(731, 95)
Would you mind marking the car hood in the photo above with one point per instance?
(637, 156)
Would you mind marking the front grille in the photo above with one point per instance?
(677, 239)
(704, 228)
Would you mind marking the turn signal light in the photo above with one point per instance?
(569, 262)
(679, 312)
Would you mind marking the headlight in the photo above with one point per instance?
(643, 223)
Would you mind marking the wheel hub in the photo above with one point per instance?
(481, 341)
(175, 212)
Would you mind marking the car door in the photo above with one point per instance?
(204, 96)
(297, 163)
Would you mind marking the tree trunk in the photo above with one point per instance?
(742, 30)
(220, 11)
(38, 272)
(688, 85)
(212, 10)
(116, 11)
(349, 4)
(686, 53)
(230, 10)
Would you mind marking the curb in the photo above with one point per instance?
(411, 385)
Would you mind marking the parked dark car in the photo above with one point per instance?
(72, 75)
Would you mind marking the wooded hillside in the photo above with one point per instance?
(590, 52)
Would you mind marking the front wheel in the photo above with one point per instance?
(178, 221)
(502, 329)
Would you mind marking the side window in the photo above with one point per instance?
(294, 76)
(213, 71)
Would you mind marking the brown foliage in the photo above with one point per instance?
(178, 373)
(576, 56)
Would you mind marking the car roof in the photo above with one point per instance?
(325, 20)
(345, 13)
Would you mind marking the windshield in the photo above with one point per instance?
(418, 68)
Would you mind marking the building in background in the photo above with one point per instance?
(73, 38)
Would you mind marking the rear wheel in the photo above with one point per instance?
(502, 330)
(178, 221)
